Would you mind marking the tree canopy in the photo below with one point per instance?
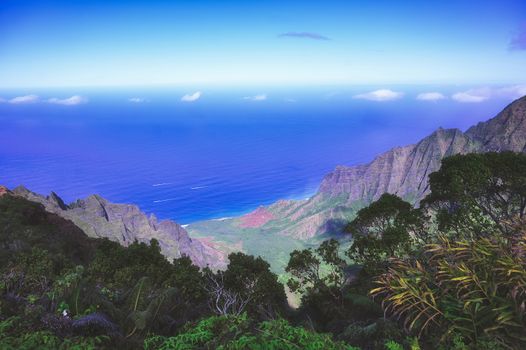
(479, 192)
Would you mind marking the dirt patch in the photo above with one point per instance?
(257, 218)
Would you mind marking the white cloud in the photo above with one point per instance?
(290, 100)
(430, 96)
(484, 93)
(380, 95)
(472, 95)
(514, 91)
(191, 98)
(71, 101)
(138, 100)
(24, 99)
(260, 97)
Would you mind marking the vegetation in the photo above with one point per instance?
(385, 228)
(479, 193)
(476, 289)
(240, 332)
(450, 274)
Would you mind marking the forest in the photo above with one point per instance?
(448, 273)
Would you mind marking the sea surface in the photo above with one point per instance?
(219, 156)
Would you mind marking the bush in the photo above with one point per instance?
(240, 332)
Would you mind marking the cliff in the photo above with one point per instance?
(404, 171)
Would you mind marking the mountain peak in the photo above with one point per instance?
(54, 198)
(504, 132)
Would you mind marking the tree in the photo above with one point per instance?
(384, 229)
(479, 193)
(319, 270)
(246, 285)
(121, 267)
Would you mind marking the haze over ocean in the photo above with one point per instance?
(222, 152)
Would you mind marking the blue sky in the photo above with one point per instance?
(138, 43)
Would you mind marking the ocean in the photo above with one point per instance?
(222, 155)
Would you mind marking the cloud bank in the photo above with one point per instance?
(303, 35)
(260, 97)
(71, 101)
(482, 94)
(380, 95)
(191, 97)
(430, 96)
(24, 99)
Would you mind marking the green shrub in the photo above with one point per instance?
(240, 332)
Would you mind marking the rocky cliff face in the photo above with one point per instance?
(402, 171)
(505, 132)
(125, 223)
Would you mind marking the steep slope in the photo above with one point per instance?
(402, 171)
(125, 223)
(506, 132)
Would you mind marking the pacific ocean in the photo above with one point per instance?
(222, 155)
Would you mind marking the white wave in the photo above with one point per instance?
(223, 219)
(165, 200)
(162, 184)
(198, 187)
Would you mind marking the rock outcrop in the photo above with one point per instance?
(125, 223)
(505, 132)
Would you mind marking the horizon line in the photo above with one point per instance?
(267, 84)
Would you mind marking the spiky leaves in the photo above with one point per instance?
(473, 288)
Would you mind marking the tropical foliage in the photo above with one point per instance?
(239, 332)
(385, 228)
(475, 289)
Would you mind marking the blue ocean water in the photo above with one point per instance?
(219, 156)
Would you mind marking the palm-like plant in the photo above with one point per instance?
(475, 288)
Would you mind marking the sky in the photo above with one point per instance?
(142, 43)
